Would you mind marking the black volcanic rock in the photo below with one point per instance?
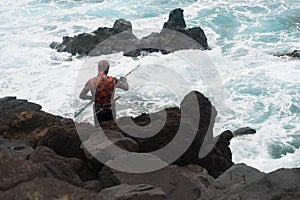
(194, 128)
(96, 43)
(174, 36)
(176, 20)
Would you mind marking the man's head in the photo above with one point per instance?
(103, 66)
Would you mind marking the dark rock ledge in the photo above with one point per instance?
(174, 36)
(42, 157)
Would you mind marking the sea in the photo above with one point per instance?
(241, 76)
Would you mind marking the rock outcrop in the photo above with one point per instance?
(174, 36)
(43, 157)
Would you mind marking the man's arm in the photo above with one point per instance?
(122, 83)
(83, 94)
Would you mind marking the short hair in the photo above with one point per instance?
(103, 65)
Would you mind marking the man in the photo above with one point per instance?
(102, 89)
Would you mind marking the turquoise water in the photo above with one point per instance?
(261, 91)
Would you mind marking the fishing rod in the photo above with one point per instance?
(77, 113)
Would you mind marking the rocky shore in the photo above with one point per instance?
(44, 157)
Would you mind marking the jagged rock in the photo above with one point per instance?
(59, 167)
(220, 157)
(14, 171)
(195, 132)
(63, 141)
(23, 120)
(244, 131)
(101, 41)
(176, 20)
(174, 36)
(99, 145)
(20, 148)
(133, 192)
(176, 182)
(48, 188)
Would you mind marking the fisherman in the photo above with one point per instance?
(102, 89)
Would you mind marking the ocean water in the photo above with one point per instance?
(260, 90)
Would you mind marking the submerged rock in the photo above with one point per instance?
(244, 131)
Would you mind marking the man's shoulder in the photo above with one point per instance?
(93, 80)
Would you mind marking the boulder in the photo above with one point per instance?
(63, 141)
(48, 188)
(133, 192)
(59, 167)
(20, 148)
(14, 171)
(97, 148)
(244, 182)
(176, 182)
